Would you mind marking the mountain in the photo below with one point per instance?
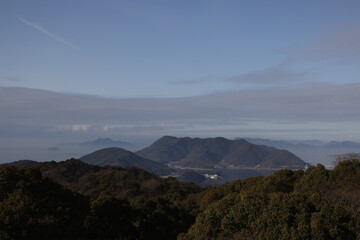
(120, 157)
(310, 144)
(218, 153)
(283, 144)
(312, 151)
(67, 172)
(23, 163)
(268, 142)
(316, 143)
(97, 144)
(344, 144)
(105, 143)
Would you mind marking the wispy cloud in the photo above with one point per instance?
(279, 74)
(195, 81)
(11, 79)
(339, 42)
(236, 111)
(76, 127)
(188, 81)
(43, 30)
(272, 75)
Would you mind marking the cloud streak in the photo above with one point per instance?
(11, 79)
(272, 75)
(45, 31)
(280, 74)
(340, 42)
(335, 44)
(76, 127)
(220, 114)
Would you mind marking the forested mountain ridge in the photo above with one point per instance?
(218, 152)
(115, 156)
(312, 204)
(83, 201)
(75, 200)
(313, 151)
(98, 144)
(93, 180)
(105, 143)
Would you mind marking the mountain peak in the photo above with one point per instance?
(115, 156)
(105, 143)
(165, 139)
(218, 152)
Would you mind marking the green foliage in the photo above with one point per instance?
(35, 208)
(274, 216)
(158, 218)
(314, 204)
(281, 181)
(315, 179)
(345, 189)
(110, 218)
(214, 194)
(88, 202)
(68, 171)
(346, 173)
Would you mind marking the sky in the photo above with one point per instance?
(132, 70)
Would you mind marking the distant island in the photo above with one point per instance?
(232, 159)
(212, 153)
(100, 143)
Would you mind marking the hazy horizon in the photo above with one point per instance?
(75, 71)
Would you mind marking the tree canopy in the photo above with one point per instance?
(74, 200)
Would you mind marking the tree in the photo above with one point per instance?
(35, 208)
(111, 218)
(276, 216)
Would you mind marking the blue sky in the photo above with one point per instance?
(173, 48)
(213, 54)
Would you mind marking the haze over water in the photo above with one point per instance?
(74, 71)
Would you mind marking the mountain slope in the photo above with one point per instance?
(344, 144)
(98, 143)
(218, 152)
(312, 151)
(106, 143)
(120, 157)
(281, 144)
(23, 163)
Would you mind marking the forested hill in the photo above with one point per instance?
(93, 180)
(74, 200)
(115, 156)
(218, 152)
(315, 204)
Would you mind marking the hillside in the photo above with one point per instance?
(218, 152)
(92, 180)
(282, 144)
(23, 163)
(96, 202)
(75, 200)
(120, 157)
(105, 143)
(312, 151)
